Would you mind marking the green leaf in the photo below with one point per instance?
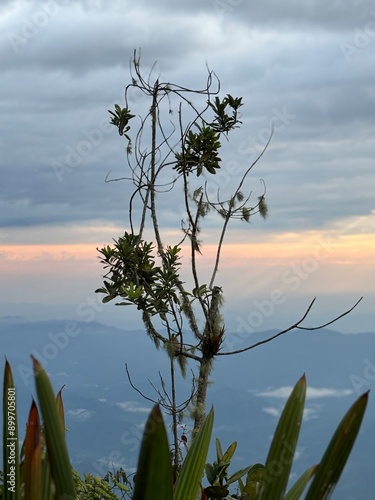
(254, 477)
(219, 450)
(10, 436)
(338, 451)
(280, 457)
(32, 466)
(237, 475)
(154, 477)
(60, 406)
(228, 455)
(54, 434)
(189, 478)
(297, 489)
(210, 474)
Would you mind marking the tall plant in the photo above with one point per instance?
(175, 148)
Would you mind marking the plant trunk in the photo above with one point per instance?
(199, 411)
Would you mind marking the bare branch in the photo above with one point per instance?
(332, 321)
(181, 407)
(290, 328)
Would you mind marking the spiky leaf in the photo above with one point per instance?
(154, 477)
(189, 478)
(280, 456)
(32, 466)
(338, 451)
(54, 434)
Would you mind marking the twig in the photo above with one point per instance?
(292, 327)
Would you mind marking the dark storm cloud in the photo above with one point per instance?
(302, 66)
(338, 15)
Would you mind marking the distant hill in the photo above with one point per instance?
(105, 415)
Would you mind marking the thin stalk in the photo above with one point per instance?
(151, 186)
(176, 461)
(218, 252)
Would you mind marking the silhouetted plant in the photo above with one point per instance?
(166, 154)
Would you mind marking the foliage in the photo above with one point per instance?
(41, 469)
(154, 477)
(97, 488)
(271, 479)
(257, 481)
(44, 471)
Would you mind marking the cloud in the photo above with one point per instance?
(308, 413)
(73, 79)
(274, 412)
(132, 407)
(80, 414)
(311, 393)
(65, 63)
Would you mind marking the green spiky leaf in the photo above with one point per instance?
(280, 456)
(338, 451)
(54, 434)
(189, 478)
(154, 477)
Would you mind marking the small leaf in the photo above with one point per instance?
(228, 455)
(219, 450)
(210, 474)
(237, 475)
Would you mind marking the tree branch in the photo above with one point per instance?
(290, 328)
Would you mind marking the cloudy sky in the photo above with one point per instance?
(308, 68)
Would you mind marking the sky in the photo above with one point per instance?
(306, 68)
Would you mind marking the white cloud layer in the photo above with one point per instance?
(64, 63)
(81, 414)
(311, 393)
(132, 407)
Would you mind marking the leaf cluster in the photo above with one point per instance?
(200, 150)
(224, 122)
(135, 276)
(120, 119)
